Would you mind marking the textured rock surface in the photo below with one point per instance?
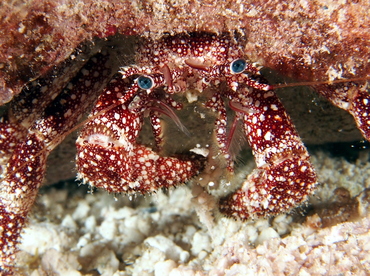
(308, 40)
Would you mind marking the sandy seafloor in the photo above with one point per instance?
(73, 232)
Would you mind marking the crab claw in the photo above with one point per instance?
(284, 176)
(108, 156)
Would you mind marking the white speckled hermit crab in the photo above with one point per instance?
(108, 155)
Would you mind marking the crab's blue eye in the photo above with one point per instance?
(238, 66)
(145, 82)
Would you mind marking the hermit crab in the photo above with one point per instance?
(108, 154)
